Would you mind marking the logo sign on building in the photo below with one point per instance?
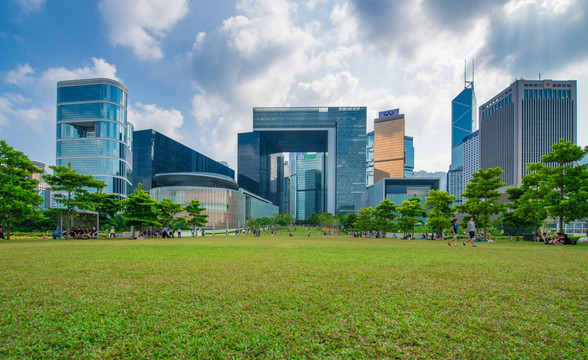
(310, 156)
(389, 113)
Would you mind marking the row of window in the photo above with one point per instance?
(547, 94)
(98, 166)
(94, 147)
(102, 129)
(95, 92)
(496, 106)
(91, 111)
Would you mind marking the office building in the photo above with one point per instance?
(155, 153)
(521, 123)
(93, 133)
(463, 121)
(337, 131)
(369, 153)
(389, 150)
(396, 190)
(310, 185)
(471, 157)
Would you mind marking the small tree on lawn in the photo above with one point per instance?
(482, 196)
(384, 216)
(440, 212)
(71, 191)
(107, 206)
(167, 210)
(410, 211)
(346, 220)
(364, 221)
(326, 219)
(140, 209)
(196, 218)
(19, 198)
(528, 201)
(565, 183)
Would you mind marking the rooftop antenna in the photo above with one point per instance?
(473, 71)
(465, 76)
(539, 76)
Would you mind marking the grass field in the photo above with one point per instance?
(291, 297)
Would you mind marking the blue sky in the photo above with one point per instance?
(195, 69)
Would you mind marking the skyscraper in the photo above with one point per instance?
(519, 125)
(463, 119)
(310, 189)
(93, 133)
(471, 157)
(155, 153)
(389, 150)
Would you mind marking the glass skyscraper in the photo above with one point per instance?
(338, 131)
(93, 133)
(463, 120)
(155, 153)
(310, 185)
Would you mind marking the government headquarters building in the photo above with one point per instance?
(337, 134)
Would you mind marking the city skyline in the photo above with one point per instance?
(196, 70)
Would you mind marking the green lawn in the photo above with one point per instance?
(291, 297)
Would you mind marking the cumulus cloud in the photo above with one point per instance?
(149, 116)
(15, 111)
(99, 68)
(141, 24)
(20, 75)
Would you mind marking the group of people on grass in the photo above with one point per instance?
(77, 233)
(471, 230)
(557, 239)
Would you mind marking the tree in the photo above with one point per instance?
(440, 212)
(140, 209)
(194, 212)
(515, 218)
(71, 190)
(346, 220)
(326, 219)
(482, 196)
(384, 216)
(410, 210)
(364, 222)
(19, 198)
(167, 210)
(527, 201)
(566, 184)
(282, 219)
(107, 206)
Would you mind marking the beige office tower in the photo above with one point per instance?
(389, 152)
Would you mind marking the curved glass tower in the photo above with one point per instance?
(93, 133)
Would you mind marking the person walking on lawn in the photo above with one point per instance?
(454, 227)
(472, 231)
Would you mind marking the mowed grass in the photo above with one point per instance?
(280, 297)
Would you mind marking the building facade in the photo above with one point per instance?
(227, 206)
(396, 190)
(389, 150)
(311, 192)
(93, 134)
(519, 125)
(463, 121)
(337, 131)
(155, 153)
(471, 157)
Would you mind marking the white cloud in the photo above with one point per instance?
(20, 76)
(150, 116)
(141, 24)
(30, 6)
(14, 113)
(99, 69)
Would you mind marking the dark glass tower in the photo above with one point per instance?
(155, 153)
